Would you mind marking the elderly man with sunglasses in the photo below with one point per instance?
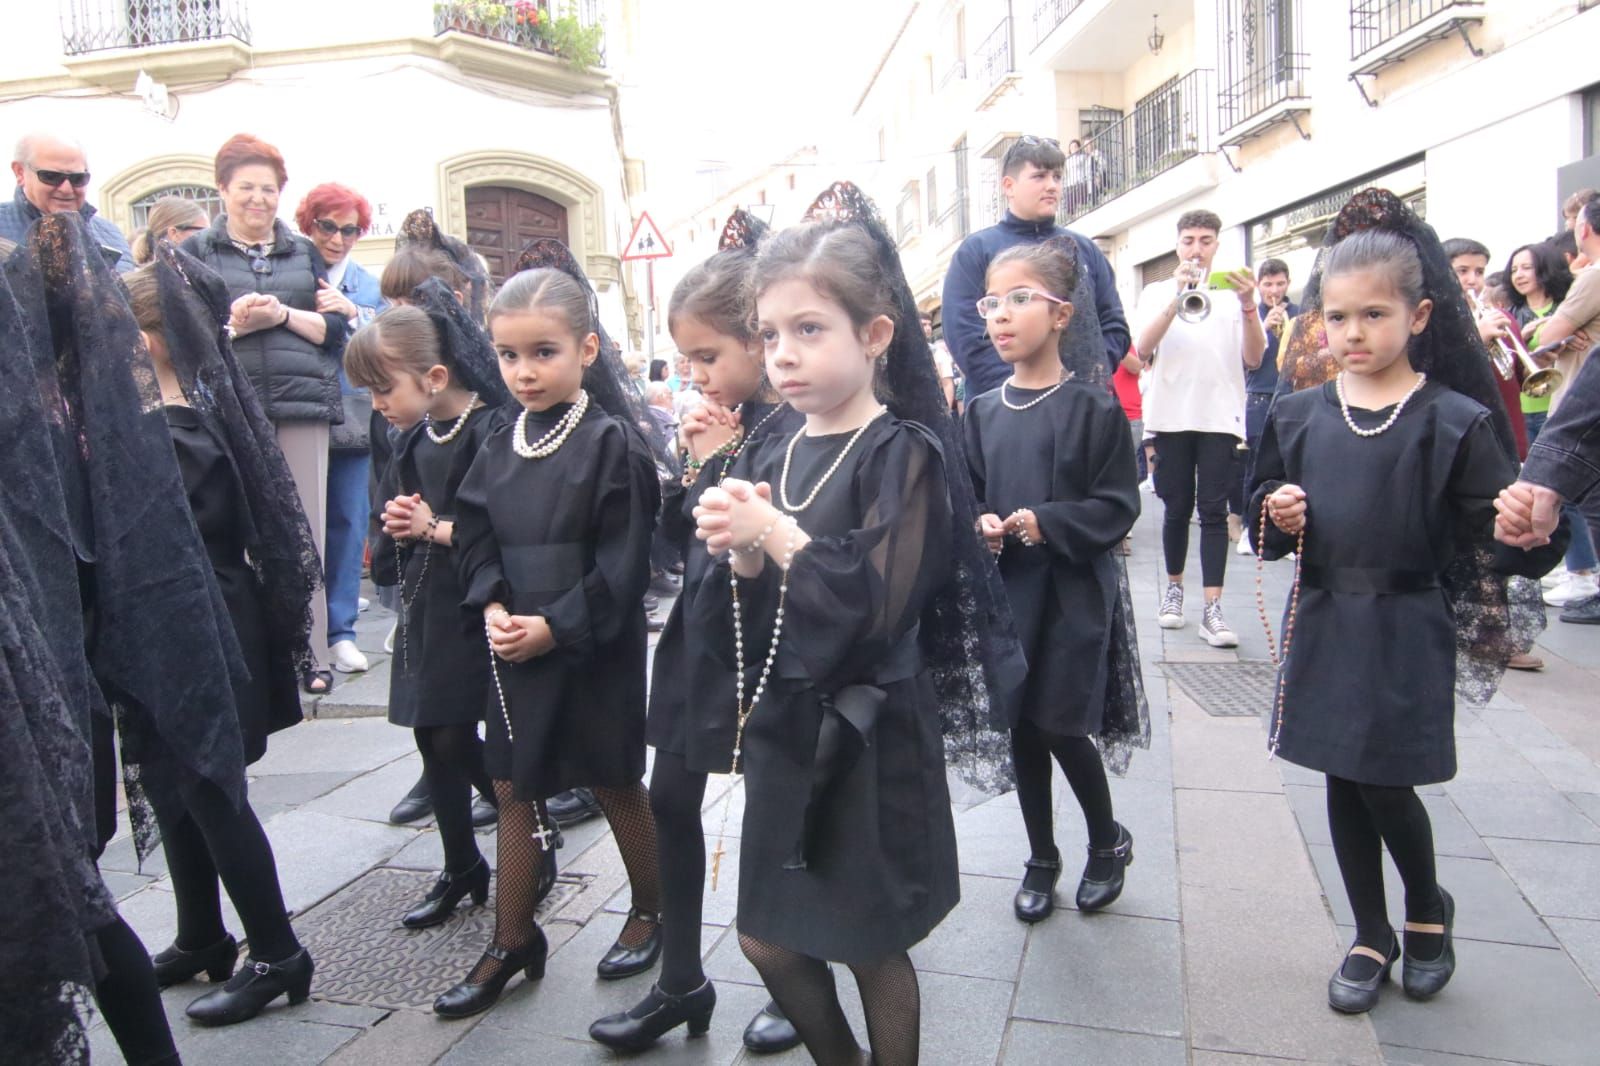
(53, 176)
(1030, 178)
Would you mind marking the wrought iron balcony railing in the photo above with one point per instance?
(991, 60)
(1263, 62)
(1048, 14)
(1374, 23)
(572, 31)
(96, 25)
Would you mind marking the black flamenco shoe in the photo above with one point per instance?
(1348, 996)
(1426, 978)
(656, 1015)
(1031, 906)
(1096, 895)
(467, 999)
(413, 806)
(622, 961)
(252, 988)
(484, 812)
(770, 1031)
(174, 965)
(448, 891)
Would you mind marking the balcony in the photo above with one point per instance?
(572, 32)
(98, 25)
(952, 225)
(1167, 128)
(1263, 77)
(993, 66)
(1386, 31)
(956, 71)
(1048, 14)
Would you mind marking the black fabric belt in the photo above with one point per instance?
(1367, 580)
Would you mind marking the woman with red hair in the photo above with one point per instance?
(335, 216)
(288, 345)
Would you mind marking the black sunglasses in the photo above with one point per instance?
(259, 263)
(54, 178)
(192, 227)
(330, 227)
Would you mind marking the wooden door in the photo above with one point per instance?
(501, 220)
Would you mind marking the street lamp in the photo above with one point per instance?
(1156, 38)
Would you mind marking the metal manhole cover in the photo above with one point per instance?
(1227, 690)
(365, 957)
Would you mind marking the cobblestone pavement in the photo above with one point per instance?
(1217, 954)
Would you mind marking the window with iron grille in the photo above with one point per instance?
(908, 217)
(1261, 56)
(91, 25)
(204, 195)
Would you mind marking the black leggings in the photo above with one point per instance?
(452, 765)
(1031, 749)
(1363, 820)
(1196, 470)
(208, 839)
(130, 1000)
(676, 794)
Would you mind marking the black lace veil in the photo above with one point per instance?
(466, 347)
(1496, 617)
(970, 640)
(194, 311)
(421, 229)
(129, 521)
(55, 894)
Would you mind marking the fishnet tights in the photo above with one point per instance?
(628, 813)
(519, 865)
(803, 987)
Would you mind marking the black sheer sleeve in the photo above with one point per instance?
(973, 439)
(1270, 476)
(1480, 471)
(1084, 529)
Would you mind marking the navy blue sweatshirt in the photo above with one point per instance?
(964, 331)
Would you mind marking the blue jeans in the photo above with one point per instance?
(348, 511)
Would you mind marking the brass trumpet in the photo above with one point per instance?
(1508, 351)
(1195, 303)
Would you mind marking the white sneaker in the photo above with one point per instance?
(1243, 547)
(1214, 628)
(1148, 484)
(388, 641)
(347, 658)
(1554, 577)
(362, 603)
(1171, 613)
(1576, 587)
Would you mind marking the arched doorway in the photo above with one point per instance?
(501, 219)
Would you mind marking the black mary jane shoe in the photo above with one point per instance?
(484, 813)
(1426, 978)
(1033, 906)
(656, 1015)
(255, 985)
(174, 965)
(467, 999)
(413, 806)
(573, 806)
(448, 891)
(622, 961)
(770, 1031)
(1097, 895)
(1348, 996)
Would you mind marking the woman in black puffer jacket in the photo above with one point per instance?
(287, 348)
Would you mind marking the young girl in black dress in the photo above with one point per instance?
(440, 386)
(266, 567)
(1053, 467)
(553, 528)
(1390, 472)
(842, 575)
(709, 317)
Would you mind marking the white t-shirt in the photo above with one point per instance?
(1197, 380)
(942, 363)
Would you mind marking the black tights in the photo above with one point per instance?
(452, 765)
(208, 839)
(130, 1000)
(521, 857)
(803, 987)
(1363, 820)
(1031, 748)
(676, 794)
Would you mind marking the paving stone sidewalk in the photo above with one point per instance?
(1217, 954)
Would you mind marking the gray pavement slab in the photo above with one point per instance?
(1045, 1044)
(1559, 879)
(1528, 812)
(352, 745)
(980, 938)
(1133, 984)
(372, 795)
(1581, 938)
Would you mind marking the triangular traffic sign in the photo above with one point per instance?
(647, 241)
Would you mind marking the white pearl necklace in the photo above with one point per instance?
(1344, 407)
(1037, 400)
(455, 430)
(788, 457)
(552, 441)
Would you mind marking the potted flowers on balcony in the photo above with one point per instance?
(527, 24)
